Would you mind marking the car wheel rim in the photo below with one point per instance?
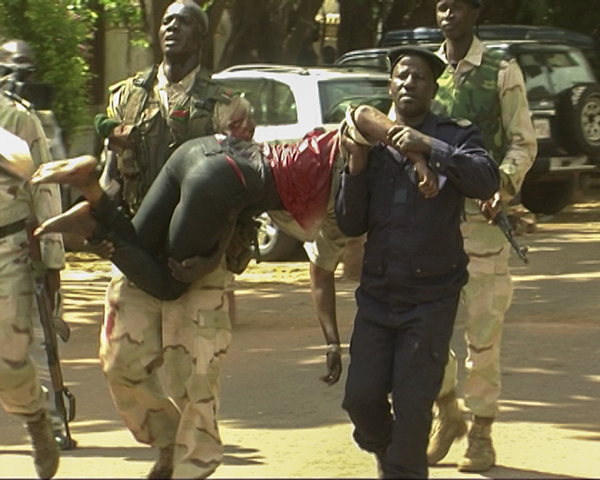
(590, 121)
(266, 233)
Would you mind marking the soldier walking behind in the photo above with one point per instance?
(484, 87)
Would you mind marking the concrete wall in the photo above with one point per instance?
(122, 59)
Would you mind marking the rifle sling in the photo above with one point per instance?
(12, 228)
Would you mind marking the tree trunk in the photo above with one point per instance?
(269, 41)
(214, 17)
(410, 14)
(97, 60)
(153, 11)
(242, 45)
(268, 31)
(422, 14)
(396, 16)
(357, 25)
(302, 31)
(500, 12)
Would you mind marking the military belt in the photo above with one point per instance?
(12, 228)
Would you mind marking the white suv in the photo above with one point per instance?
(290, 101)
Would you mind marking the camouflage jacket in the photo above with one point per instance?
(485, 84)
(159, 117)
(18, 200)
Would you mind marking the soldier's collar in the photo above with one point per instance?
(473, 57)
(186, 83)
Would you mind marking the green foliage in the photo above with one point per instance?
(123, 13)
(126, 14)
(59, 32)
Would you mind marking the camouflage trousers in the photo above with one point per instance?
(188, 338)
(485, 300)
(20, 390)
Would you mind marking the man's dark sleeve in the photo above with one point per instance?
(352, 204)
(467, 164)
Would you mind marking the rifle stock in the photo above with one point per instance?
(44, 303)
(503, 223)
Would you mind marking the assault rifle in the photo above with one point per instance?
(15, 80)
(502, 221)
(45, 307)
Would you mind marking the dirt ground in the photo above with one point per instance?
(277, 418)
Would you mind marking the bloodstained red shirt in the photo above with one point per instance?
(302, 173)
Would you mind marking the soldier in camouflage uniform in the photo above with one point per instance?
(20, 390)
(487, 89)
(17, 54)
(149, 115)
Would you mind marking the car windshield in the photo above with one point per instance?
(549, 72)
(337, 95)
(273, 102)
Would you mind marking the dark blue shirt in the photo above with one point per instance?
(414, 250)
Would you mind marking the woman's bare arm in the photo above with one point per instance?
(375, 125)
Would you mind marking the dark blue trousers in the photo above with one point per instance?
(403, 354)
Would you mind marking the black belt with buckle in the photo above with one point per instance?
(11, 228)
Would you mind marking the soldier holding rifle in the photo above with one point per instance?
(487, 88)
(20, 390)
(19, 82)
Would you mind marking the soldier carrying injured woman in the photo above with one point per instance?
(192, 207)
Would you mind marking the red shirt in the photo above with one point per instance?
(302, 173)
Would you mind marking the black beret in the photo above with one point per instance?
(436, 63)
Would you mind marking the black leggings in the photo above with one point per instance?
(191, 207)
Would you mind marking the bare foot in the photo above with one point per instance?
(78, 171)
(77, 220)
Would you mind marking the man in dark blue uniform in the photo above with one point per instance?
(414, 263)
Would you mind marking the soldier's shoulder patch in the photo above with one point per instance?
(222, 93)
(227, 94)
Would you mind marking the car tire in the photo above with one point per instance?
(273, 244)
(549, 197)
(578, 118)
